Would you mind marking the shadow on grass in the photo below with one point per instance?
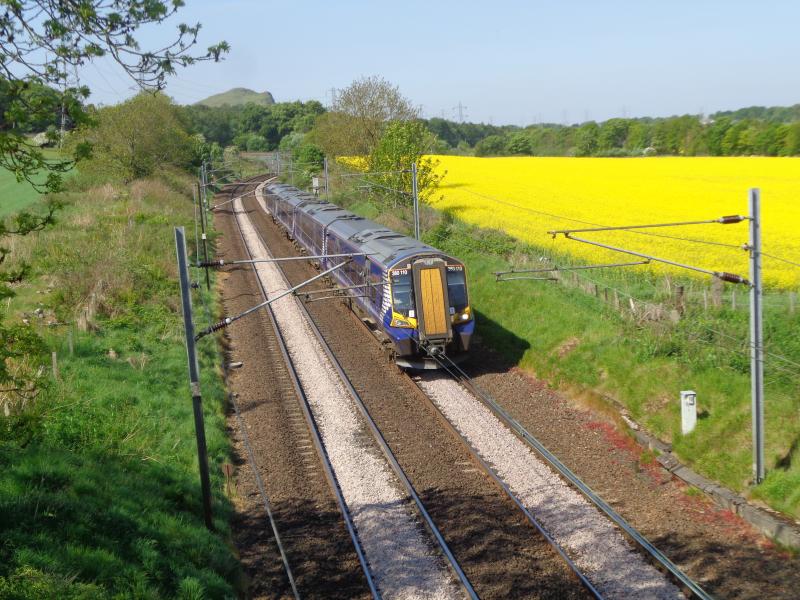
(101, 524)
(495, 349)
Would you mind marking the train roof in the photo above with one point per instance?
(383, 245)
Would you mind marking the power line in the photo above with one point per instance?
(573, 220)
(786, 260)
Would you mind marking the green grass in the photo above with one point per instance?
(17, 195)
(99, 490)
(641, 365)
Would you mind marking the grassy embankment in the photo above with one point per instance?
(15, 195)
(99, 492)
(579, 343)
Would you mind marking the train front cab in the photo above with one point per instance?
(430, 313)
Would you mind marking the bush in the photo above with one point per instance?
(310, 157)
(134, 139)
(402, 144)
(493, 145)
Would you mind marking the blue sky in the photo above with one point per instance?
(507, 62)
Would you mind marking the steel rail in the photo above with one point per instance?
(516, 427)
(507, 491)
(387, 452)
(314, 431)
(260, 483)
(498, 480)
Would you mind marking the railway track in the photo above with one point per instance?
(296, 406)
(321, 552)
(469, 392)
(308, 411)
(567, 555)
(504, 510)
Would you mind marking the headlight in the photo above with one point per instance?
(401, 321)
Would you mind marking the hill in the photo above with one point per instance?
(238, 96)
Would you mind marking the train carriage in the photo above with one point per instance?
(415, 294)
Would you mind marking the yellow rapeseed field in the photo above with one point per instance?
(558, 193)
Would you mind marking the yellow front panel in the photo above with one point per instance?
(433, 309)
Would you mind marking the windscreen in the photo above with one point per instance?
(457, 287)
(402, 291)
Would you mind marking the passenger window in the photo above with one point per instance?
(402, 291)
(456, 287)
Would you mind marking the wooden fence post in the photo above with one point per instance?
(680, 296)
(716, 292)
(54, 357)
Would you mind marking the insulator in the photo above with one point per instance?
(213, 328)
(731, 219)
(731, 278)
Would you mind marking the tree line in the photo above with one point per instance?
(687, 135)
(252, 127)
(766, 131)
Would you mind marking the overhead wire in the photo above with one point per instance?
(785, 260)
(574, 220)
(619, 291)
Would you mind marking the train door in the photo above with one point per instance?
(433, 306)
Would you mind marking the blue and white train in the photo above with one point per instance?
(413, 293)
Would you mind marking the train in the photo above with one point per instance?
(414, 297)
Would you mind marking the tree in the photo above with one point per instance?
(215, 124)
(359, 117)
(638, 136)
(492, 145)
(586, 139)
(40, 42)
(404, 143)
(519, 143)
(612, 135)
(731, 142)
(251, 142)
(715, 134)
(133, 139)
(792, 140)
(309, 157)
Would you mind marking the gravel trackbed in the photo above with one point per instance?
(401, 557)
(597, 547)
